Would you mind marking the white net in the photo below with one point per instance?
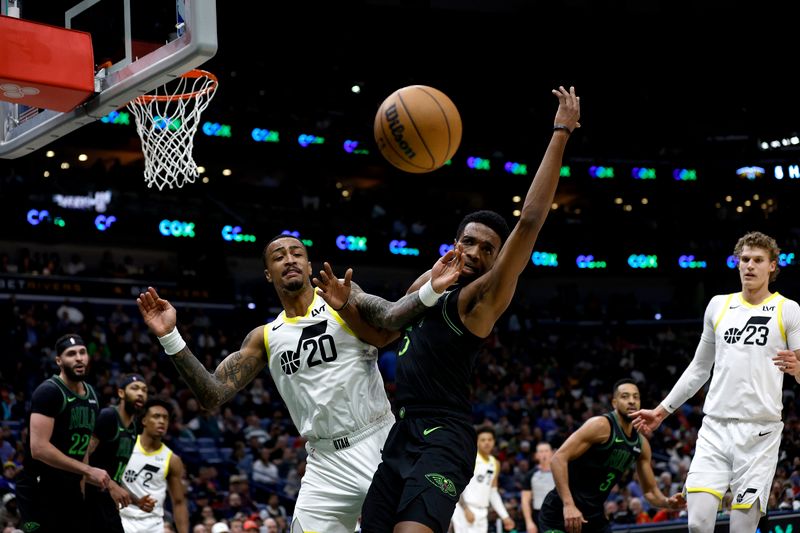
(166, 121)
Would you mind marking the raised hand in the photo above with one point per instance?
(647, 420)
(334, 291)
(158, 314)
(446, 270)
(569, 108)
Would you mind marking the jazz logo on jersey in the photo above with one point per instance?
(754, 331)
(318, 345)
(150, 470)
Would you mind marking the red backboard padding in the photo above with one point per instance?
(44, 66)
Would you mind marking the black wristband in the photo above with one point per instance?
(562, 127)
(343, 305)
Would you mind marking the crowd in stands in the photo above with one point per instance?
(536, 380)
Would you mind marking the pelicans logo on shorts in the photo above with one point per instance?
(444, 484)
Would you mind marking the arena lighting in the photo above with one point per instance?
(265, 136)
(750, 173)
(545, 259)
(234, 233)
(588, 261)
(518, 169)
(400, 248)
(351, 147)
(99, 201)
(351, 243)
(793, 171)
(251, 306)
(121, 118)
(732, 261)
(444, 248)
(35, 217)
(176, 228)
(103, 222)
(215, 129)
(689, 261)
(641, 173)
(565, 172)
(163, 123)
(479, 163)
(601, 172)
(780, 143)
(684, 174)
(643, 261)
(307, 139)
(786, 259)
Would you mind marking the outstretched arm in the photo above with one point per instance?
(234, 373)
(649, 486)
(382, 313)
(482, 302)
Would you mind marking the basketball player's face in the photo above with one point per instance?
(481, 246)
(288, 267)
(135, 395)
(626, 401)
(74, 362)
(755, 267)
(156, 421)
(485, 444)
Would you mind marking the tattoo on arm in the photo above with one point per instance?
(212, 390)
(389, 315)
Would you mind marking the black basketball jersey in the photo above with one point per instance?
(74, 420)
(593, 474)
(116, 443)
(436, 359)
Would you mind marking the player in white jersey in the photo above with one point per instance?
(328, 378)
(472, 509)
(153, 470)
(750, 339)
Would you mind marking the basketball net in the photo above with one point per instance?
(166, 121)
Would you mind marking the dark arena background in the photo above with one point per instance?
(689, 139)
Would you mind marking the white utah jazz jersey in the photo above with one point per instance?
(476, 493)
(746, 383)
(146, 473)
(328, 378)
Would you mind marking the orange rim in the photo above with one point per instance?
(196, 73)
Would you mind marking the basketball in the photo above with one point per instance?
(417, 128)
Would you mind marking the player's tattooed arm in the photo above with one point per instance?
(385, 314)
(235, 372)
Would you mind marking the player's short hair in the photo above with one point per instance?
(157, 402)
(756, 239)
(486, 429)
(492, 220)
(275, 238)
(623, 381)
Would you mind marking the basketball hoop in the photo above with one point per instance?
(166, 121)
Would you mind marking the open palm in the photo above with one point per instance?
(158, 314)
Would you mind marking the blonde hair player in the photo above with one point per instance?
(751, 339)
(472, 510)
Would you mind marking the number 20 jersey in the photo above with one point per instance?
(746, 383)
(328, 378)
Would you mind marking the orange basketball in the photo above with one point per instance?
(417, 128)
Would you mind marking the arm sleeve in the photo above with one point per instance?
(47, 400)
(791, 324)
(699, 370)
(497, 503)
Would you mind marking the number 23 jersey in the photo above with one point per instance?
(328, 378)
(746, 383)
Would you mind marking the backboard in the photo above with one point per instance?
(137, 46)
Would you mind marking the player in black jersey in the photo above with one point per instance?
(110, 448)
(429, 456)
(63, 414)
(592, 461)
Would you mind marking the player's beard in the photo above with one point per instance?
(72, 376)
(295, 285)
(624, 416)
(130, 407)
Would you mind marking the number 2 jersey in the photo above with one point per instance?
(328, 378)
(746, 383)
(146, 473)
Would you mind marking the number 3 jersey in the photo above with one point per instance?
(328, 378)
(746, 383)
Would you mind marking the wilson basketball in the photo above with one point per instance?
(417, 128)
